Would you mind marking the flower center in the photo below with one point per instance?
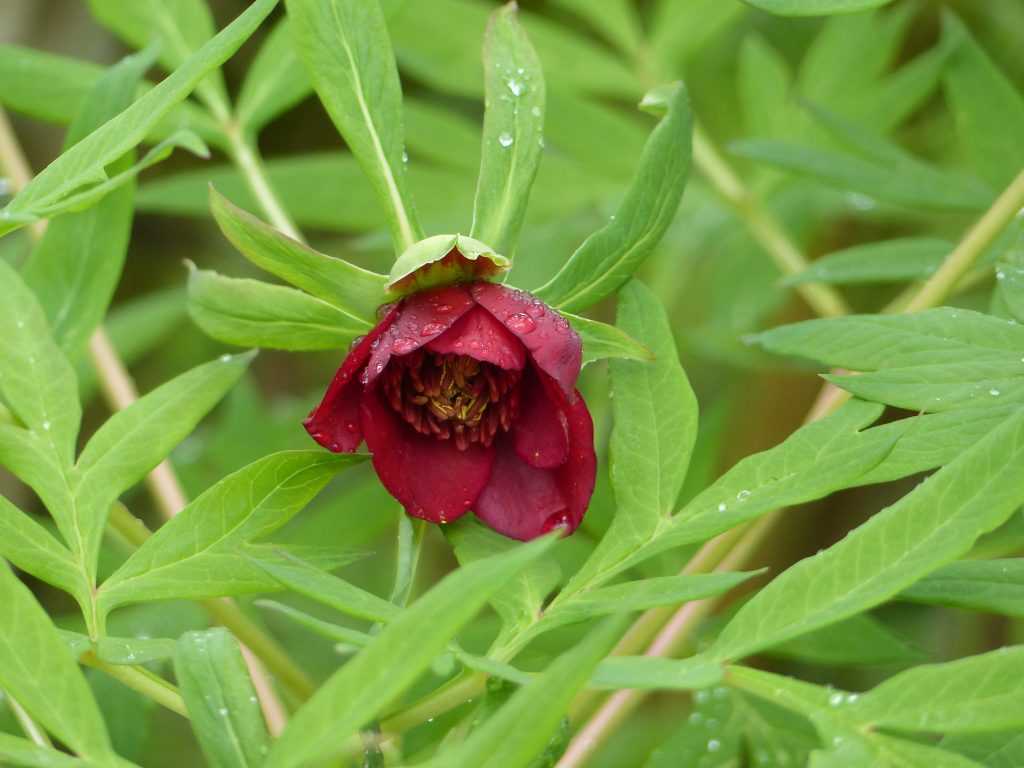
(452, 396)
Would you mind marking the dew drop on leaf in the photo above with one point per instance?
(505, 139)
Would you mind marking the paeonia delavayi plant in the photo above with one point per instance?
(486, 369)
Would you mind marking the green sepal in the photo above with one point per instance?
(444, 259)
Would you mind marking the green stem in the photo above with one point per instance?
(970, 248)
(142, 680)
(30, 727)
(246, 156)
(763, 227)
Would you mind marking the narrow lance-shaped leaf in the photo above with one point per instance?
(327, 589)
(276, 81)
(20, 752)
(932, 525)
(75, 267)
(513, 131)
(518, 732)
(181, 26)
(655, 426)
(815, 7)
(355, 291)
(40, 673)
(358, 692)
(251, 313)
(992, 586)
(222, 705)
(610, 256)
(912, 258)
(347, 52)
(84, 164)
(978, 693)
(602, 341)
(136, 439)
(36, 380)
(33, 549)
(987, 106)
(195, 555)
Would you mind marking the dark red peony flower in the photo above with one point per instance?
(466, 398)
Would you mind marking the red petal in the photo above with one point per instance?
(541, 431)
(431, 478)
(422, 317)
(553, 344)
(335, 422)
(520, 501)
(576, 476)
(478, 335)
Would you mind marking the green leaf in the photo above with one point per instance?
(520, 602)
(911, 183)
(24, 753)
(195, 555)
(815, 7)
(84, 163)
(355, 291)
(136, 439)
(681, 28)
(251, 313)
(991, 586)
(887, 261)
(360, 690)
(602, 341)
(438, 44)
(979, 693)
(513, 131)
(181, 26)
(617, 20)
(653, 673)
(609, 257)
(75, 267)
(347, 52)
(987, 106)
(655, 417)
(861, 640)
(33, 549)
(275, 82)
(518, 732)
(1003, 749)
(1010, 272)
(36, 380)
(929, 527)
(441, 135)
(764, 83)
(936, 336)
(324, 588)
(335, 632)
(324, 190)
(55, 89)
(641, 595)
(39, 672)
(222, 706)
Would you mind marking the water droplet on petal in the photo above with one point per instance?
(443, 308)
(403, 346)
(351, 426)
(557, 520)
(520, 322)
(431, 329)
(505, 139)
(536, 309)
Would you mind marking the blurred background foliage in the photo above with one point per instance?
(753, 79)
